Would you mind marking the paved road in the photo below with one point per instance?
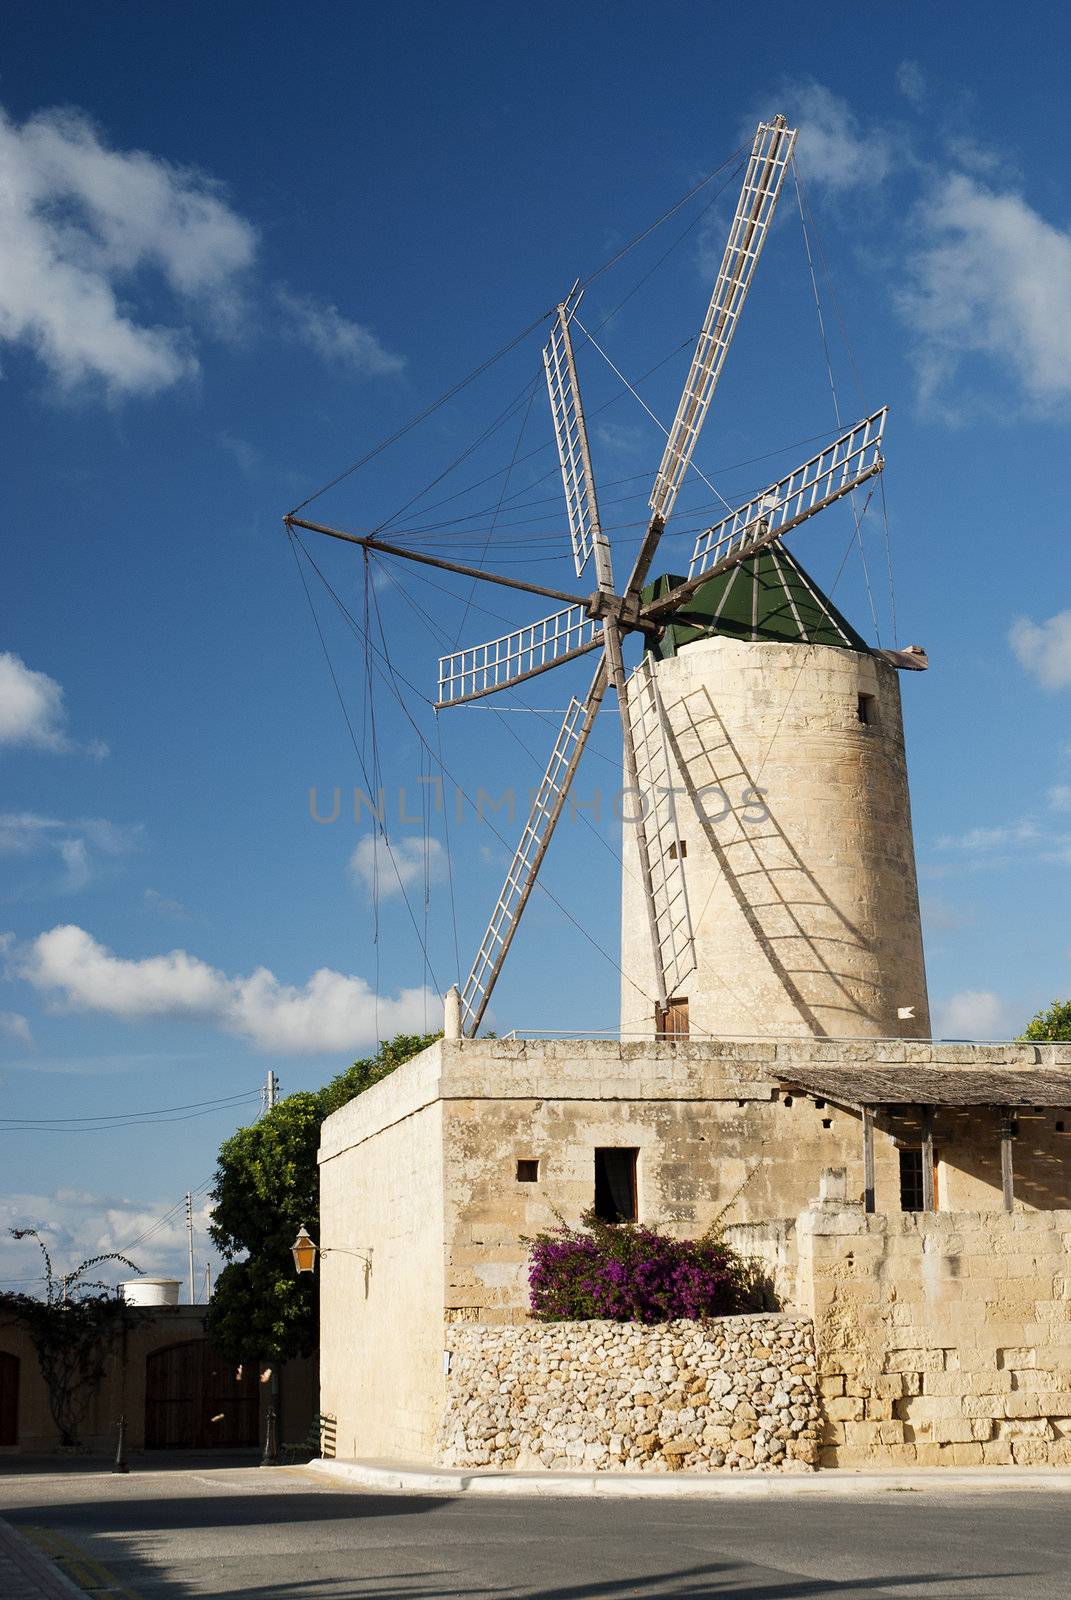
(185, 1532)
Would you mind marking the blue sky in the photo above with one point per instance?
(245, 244)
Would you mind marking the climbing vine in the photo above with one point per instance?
(73, 1329)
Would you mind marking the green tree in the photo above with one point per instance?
(1052, 1024)
(267, 1185)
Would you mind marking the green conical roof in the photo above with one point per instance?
(768, 596)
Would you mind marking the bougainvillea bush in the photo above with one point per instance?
(627, 1273)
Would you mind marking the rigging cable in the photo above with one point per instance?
(353, 739)
(391, 680)
(498, 507)
(449, 852)
(619, 374)
(833, 388)
(505, 349)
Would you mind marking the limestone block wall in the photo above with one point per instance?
(804, 898)
(381, 1274)
(943, 1339)
(738, 1393)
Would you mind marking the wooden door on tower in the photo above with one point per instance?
(196, 1401)
(9, 1398)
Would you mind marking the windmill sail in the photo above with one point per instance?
(484, 668)
(833, 472)
(657, 805)
(528, 857)
(571, 434)
(765, 173)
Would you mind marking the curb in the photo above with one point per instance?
(689, 1485)
(28, 1574)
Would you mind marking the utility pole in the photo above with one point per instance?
(189, 1246)
(271, 1091)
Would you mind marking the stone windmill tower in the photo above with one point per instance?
(781, 753)
(796, 910)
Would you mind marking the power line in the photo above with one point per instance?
(157, 1111)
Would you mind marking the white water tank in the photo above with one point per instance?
(150, 1291)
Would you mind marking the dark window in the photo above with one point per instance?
(673, 1021)
(1059, 1127)
(528, 1172)
(674, 853)
(615, 1184)
(910, 1180)
(867, 710)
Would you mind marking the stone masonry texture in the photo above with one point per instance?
(943, 1339)
(737, 1393)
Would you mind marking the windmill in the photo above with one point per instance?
(599, 623)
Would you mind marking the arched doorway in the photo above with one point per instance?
(9, 1398)
(196, 1401)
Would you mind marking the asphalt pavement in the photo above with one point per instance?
(178, 1531)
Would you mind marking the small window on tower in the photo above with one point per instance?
(528, 1172)
(615, 1184)
(868, 711)
(678, 855)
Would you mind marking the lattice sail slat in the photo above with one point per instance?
(521, 876)
(765, 173)
(658, 804)
(483, 668)
(570, 431)
(835, 471)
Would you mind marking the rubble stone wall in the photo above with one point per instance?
(737, 1393)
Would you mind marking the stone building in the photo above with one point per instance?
(165, 1379)
(432, 1180)
(909, 1201)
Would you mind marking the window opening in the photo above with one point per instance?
(528, 1171)
(615, 1184)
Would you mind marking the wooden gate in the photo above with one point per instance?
(196, 1401)
(9, 1398)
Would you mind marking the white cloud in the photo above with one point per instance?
(324, 329)
(80, 842)
(1059, 797)
(15, 1026)
(939, 916)
(973, 1014)
(76, 1224)
(31, 706)
(911, 82)
(164, 906)
(371, 861)
(81, 224)
(622, 438)
(993, 278)
(1021, 841)
(243, 453)
(332, 1011)
(1044, 648)
(833, 147)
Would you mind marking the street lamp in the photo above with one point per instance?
(303, 1251)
